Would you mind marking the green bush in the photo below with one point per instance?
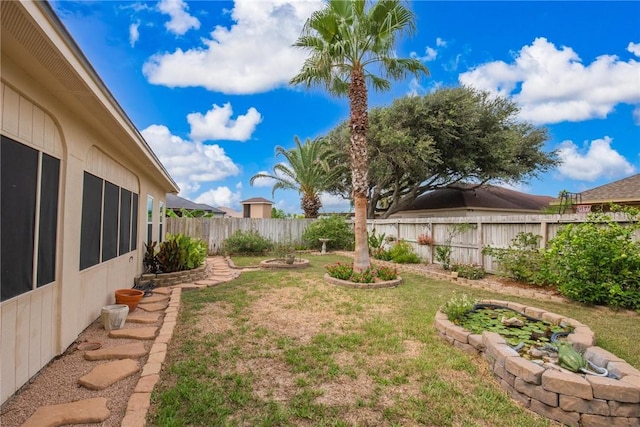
(597, 262)
(386, 273)
(469, 271)
(179, 252)
(247, 243)
(345, 271)
(522, 260)
(334, 228)
(402, 253)
(340, 270)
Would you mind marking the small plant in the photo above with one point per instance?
(443, 256)
(340, 270)
(402, 253)
(363, 276)
(457, 306)
(522, 260)
(424, 240)
(469, 271)
(386, 273)
(150, 260)
(247, 242)
(375, 242)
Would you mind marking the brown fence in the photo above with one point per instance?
(495, 231)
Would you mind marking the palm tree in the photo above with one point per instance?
(344, 38)
(306, 173)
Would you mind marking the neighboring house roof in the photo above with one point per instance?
(255, 200)
(486, 196)
(230, 212)
(177, 202)
(627, 189)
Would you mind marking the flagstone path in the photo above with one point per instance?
(119, 362)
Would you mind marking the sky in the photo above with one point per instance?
(206, 82)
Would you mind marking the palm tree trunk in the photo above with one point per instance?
(359, 158)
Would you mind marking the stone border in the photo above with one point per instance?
(177, 277)
(548, 390)
(377, 285)
(297, 263)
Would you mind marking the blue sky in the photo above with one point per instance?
(206, 82)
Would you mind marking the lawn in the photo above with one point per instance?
(282, 347)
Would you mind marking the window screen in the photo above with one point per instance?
(125, 221)
(91, 221)
(49, 188)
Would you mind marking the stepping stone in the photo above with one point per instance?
(162, 291)
(207, 282)
(189, 286)
(143, 317)
(106, 374)
(125, 351)
(148, 333)
(154, 306)
(155, 298)
(79, 412)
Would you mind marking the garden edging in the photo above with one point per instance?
(548, 390)
(376, 285)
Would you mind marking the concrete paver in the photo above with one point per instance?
(106, 374)
(143, 317)
(146, 333)
(79, 412)
(124, 351)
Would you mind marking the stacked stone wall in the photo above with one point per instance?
(549, 390)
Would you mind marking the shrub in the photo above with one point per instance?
(597, 262)
(457, 306)
(363, 276)
(179, 252)
(402, 253)
(247, 243)
(344, 271)
(386, 273)
(375, 242)
(381, 254)
(522, 260)
(334, 228)
(469, 271)
(340, 270)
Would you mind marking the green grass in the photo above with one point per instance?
(284, 348)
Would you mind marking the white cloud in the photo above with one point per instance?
(332, 203)
(264, 182)
(220, 196)
(634, 48)
(134, 34)
(595, 160)
(253, 55)
(552, 85)
(636, 115)
(217, 124)
(441, 42)
(189, 163)
(430, 54)
(181, 21)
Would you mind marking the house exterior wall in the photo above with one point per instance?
(257, 210)
(38, 325)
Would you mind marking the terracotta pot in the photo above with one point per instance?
(130, 297)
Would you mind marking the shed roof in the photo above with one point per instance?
(256, 200)
(486, 196)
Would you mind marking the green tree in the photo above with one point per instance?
(344, 39)
(442, 139)
(305, 172)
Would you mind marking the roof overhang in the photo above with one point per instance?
(36, 40)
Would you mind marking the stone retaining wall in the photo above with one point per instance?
(553, 392)
(178, 277)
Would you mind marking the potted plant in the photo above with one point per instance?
(424, 240)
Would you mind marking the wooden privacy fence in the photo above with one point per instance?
(466, 247)
(215, 230)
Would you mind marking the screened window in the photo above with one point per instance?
(161, 222)
(29, 184)
(149, 219)
(109, 221)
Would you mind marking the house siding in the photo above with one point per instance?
(86, 136)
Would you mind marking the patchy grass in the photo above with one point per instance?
(282, 347)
